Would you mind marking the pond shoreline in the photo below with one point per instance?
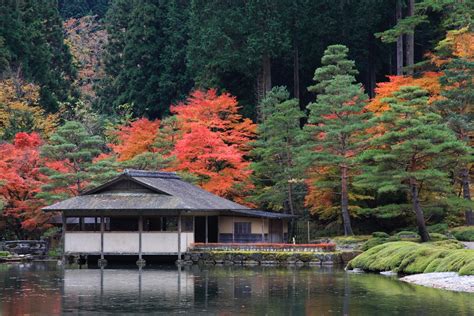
(450, 281)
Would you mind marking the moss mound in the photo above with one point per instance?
(464, 233)
(4, 253)
(410, 257)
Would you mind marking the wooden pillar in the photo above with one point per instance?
(233, 230)
(63, 237)
(102, 228)
(140, 230)
(179, 237)
(207, 229)
(263, 229)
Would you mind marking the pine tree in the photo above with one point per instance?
(276, 173)
(70, 153)
(337, 122)
(413, 154)
(456, 108)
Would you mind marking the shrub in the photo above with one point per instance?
(380, 235)
(438, 228)
(436, 237)
(464, 233)
(405, 234)
(409, 257)
(373, 242)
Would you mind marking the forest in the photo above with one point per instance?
(356, 115)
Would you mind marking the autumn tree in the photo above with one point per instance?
(215, 139)
(20, 110)
(69, 155)
(414, 153)
(277, 177)
(135, 138)
(20, 182)
(336, 123)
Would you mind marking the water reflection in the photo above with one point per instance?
(51, 290)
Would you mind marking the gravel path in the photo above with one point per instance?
(443, 280)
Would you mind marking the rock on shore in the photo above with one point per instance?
(443, 280)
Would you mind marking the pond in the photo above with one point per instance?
(49, 289)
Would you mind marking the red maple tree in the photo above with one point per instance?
(21, 180)
(215, 139)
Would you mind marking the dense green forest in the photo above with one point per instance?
(356, 114)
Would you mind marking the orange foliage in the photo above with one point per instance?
(458, 43)
(136, 138)
(219, 113)
(214, 141)
(21, 180)
(429, 81)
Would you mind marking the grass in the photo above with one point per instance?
(408, 257)
(464, 233)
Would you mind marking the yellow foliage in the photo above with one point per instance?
(19, 110)
(458, 43)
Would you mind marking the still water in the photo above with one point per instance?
(48, 289)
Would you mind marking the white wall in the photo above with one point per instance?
(82, 242)
(165, 242)
(127, 242)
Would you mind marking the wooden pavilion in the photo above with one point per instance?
(143, 213)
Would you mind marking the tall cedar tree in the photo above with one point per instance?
(337, 122)
(415, 152)
(456, 108)
(277, 177)
(33, 39)
(70, 152)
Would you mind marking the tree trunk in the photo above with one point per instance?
(345, 203)
(296, 73)
(398, 14)
(264, 83)
(410, 41)
(420, 218)
(292, 209)
(267, 74)
(466, 193)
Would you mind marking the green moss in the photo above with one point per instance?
(409, 257)
(380, 235)
(372, 242)
(4, 253)
(438, 228)
(348, 240)
(436, 237)
(464, 233)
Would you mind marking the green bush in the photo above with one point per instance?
(464, 233)
(380, 235)
(372, 242)
(407, 234)
(349, 240)
(438, 228)
(410, 257)
(436, 237)
(4, 253)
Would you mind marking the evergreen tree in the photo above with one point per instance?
(413, 153)
(456, 108)
(337, 123)
(145, 57)
(32, 36)
(276, 175)
(69, 153)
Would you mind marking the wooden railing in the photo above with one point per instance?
(322, 247)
